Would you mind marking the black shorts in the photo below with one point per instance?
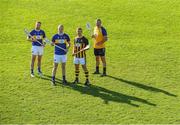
(99, 52)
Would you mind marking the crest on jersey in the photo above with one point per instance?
(38, 36)
(61, 41)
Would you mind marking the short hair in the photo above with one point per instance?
(38, 22)
(60, 25)
(79, 28)
(98, 19)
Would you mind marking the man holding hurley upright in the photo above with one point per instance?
(100, 37)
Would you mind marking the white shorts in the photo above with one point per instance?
(60, 58)
(37, 50)
(81, 61)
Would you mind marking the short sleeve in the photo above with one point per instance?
(67, 38)
(44, 35)
(31, 33)
(104, 31)
(86, 41)
(53, 39)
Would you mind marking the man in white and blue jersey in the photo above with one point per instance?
(62, 40)
(37, 48)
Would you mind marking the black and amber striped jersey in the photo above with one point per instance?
(80, 43)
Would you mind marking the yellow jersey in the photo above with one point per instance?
(99, 36)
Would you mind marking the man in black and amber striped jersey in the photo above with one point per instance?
(80, 42)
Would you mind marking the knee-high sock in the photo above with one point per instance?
(104, 70)
(77, 74)
(86, 75)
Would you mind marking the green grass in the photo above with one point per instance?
(143, 63)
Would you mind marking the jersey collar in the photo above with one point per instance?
(60, 34)
(37, 30)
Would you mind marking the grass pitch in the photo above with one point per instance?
(143, 63)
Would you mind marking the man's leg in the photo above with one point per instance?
(33, 58)
(97, 65)
(86, 74)
(103, 59)
(76, 73)
(54, 73)
(39, 64)
(96, 53)
(63, 66)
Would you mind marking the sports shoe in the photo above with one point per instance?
(104, 74)
(40, 73)
(53, 82)
(76, 81)
(32, 75)
(64, 82)
(87, 83)
(96, 72)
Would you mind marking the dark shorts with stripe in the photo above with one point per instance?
(99, 52)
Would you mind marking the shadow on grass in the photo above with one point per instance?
(142, 86)
(103, 93)
(109, 95)
(48, 78)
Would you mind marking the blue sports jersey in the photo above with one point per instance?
(104, 32)
(39, 35)
(60, 40)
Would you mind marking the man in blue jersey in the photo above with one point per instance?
(62, 40)
(37, 49)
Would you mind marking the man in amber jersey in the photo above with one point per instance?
(100, 37)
